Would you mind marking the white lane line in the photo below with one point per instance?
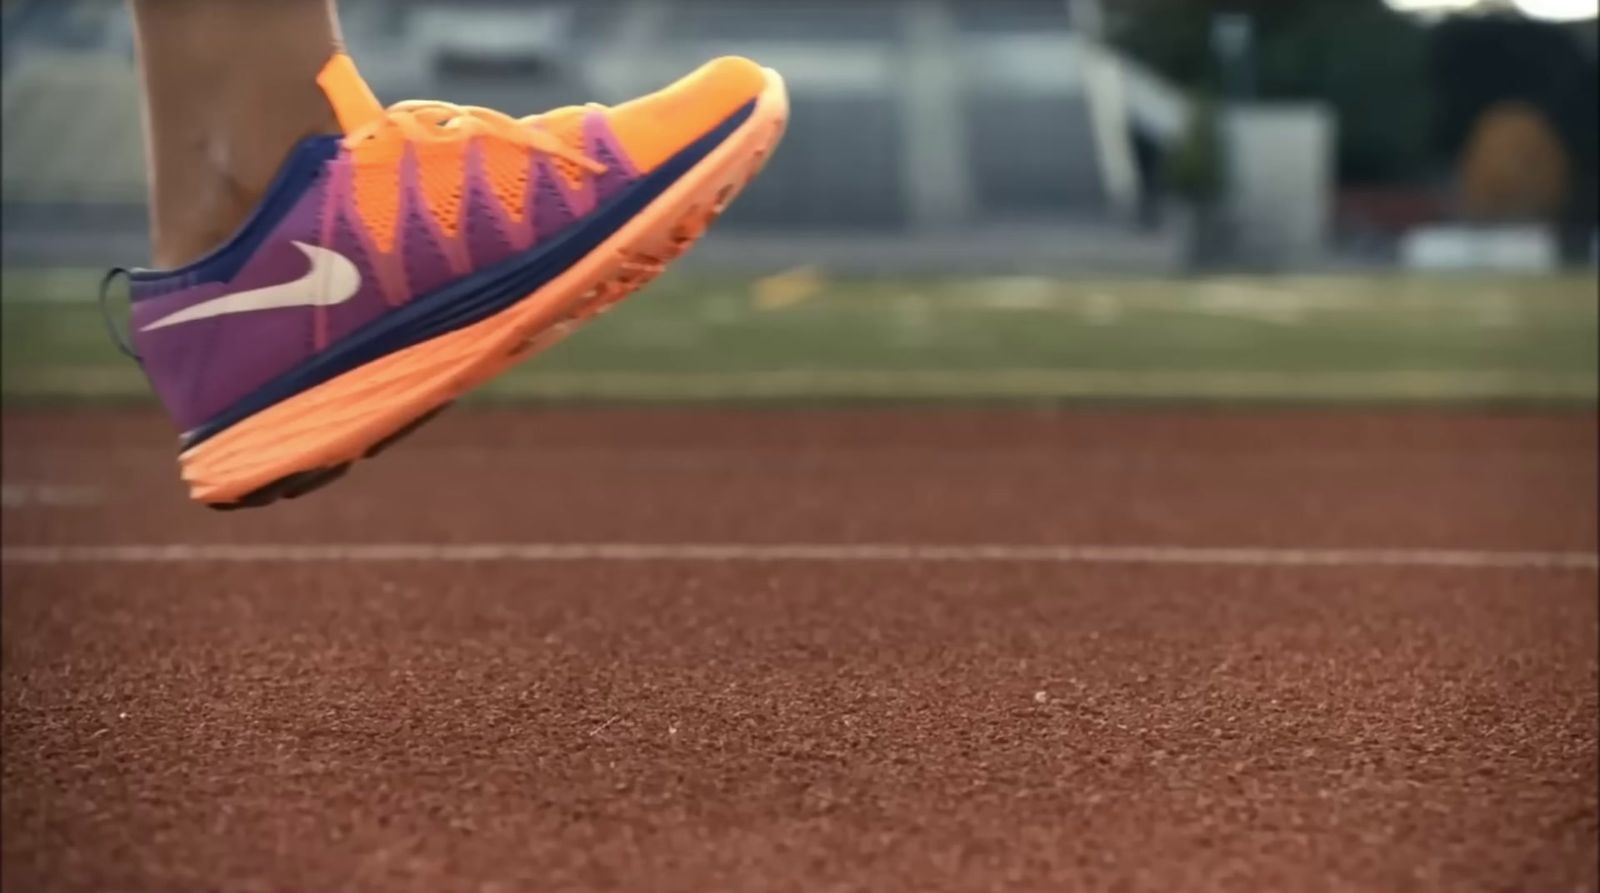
(26, 494)
(1016, 382)
(187, 553)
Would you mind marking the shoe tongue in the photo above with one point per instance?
(566, 124)
(351, 98)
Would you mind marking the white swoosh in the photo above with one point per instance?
(332, 279)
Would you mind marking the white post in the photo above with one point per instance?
(936, 173)
(1108, 109)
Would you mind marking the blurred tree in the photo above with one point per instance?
(1514, 166)
(1368, 62)
(1195, 166)
(1195, 172)
(1480, 61)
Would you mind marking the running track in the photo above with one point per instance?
(687, 651)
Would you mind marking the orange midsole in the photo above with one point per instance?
(339, 419)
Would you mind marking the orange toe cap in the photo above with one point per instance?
(654, 127)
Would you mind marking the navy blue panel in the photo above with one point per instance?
(476, 297)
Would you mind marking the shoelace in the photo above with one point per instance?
(436, 121)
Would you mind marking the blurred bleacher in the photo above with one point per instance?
(62, 112)
(954, 132)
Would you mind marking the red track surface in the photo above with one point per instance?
(814, 725)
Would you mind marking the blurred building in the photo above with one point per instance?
(994, 134)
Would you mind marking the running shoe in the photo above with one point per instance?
(421, 252)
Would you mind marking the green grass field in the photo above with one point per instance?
(801, 337)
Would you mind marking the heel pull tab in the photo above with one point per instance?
(352, 100)
(105, 315)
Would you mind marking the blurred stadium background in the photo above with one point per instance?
(1233, 527)
(1347, 200)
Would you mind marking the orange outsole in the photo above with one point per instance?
(323, 429)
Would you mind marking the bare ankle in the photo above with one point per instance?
(228, 171)
(230, 88)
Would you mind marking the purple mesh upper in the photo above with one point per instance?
(199, 368)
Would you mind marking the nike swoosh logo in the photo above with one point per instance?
(332, 279)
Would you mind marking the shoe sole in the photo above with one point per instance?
(312, 438)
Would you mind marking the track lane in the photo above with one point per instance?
(1289, 479)
(777, 724)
